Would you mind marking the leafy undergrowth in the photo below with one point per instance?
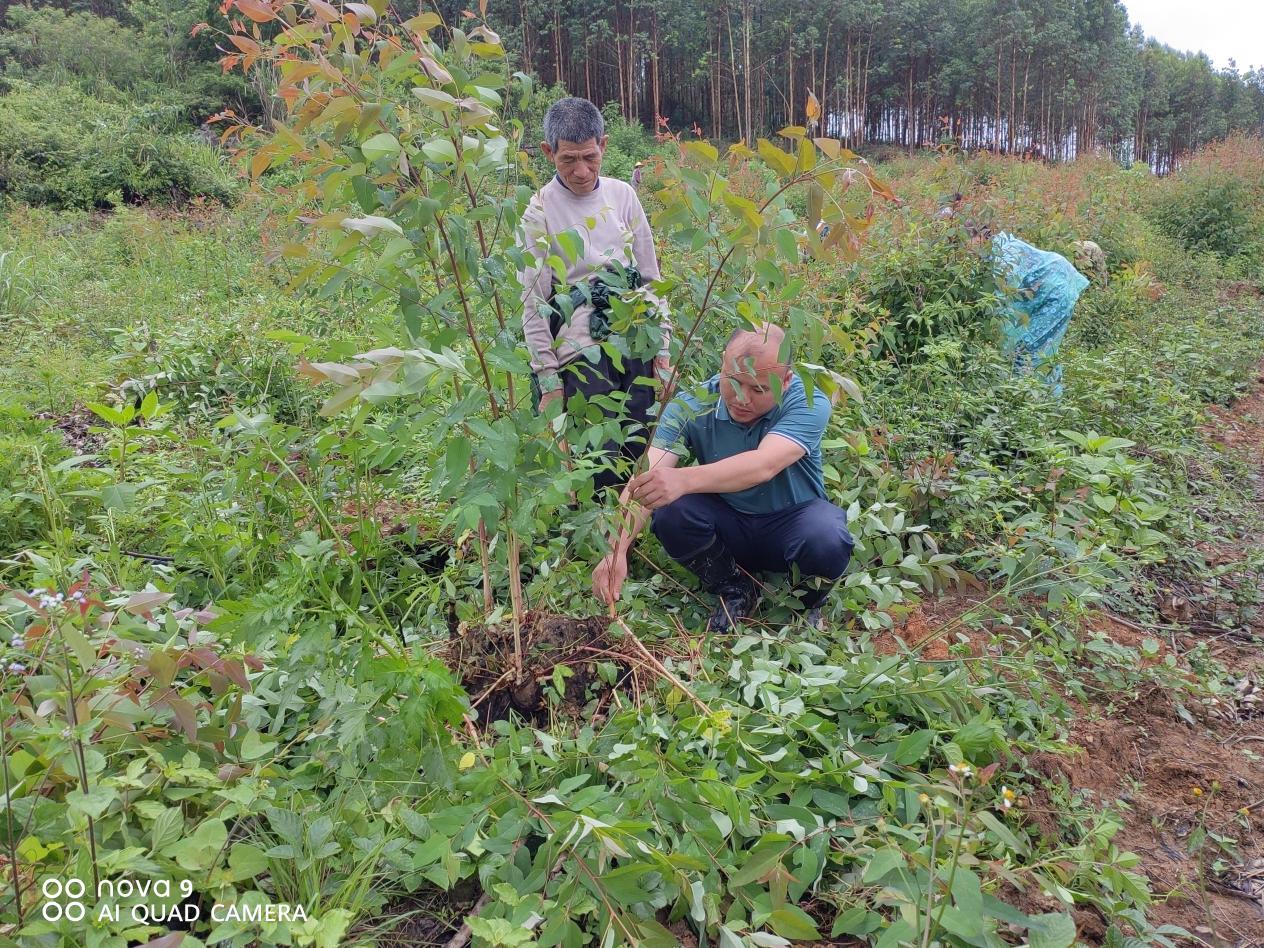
(272, 673)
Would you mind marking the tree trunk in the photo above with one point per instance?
(790, 76)
(633, 104)
(654, 66)
(746, 67)
(996, 115)
(742, 132)
(528, 60)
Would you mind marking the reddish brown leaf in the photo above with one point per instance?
(185, 716)
(256, 10)
(143, 603)
(235, 672)
(325, 12)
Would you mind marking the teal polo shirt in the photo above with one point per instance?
(699, 424)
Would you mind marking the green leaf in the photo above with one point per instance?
(747, 209)
(441, 151)
(1002, 832)
(790, 921)
(760, 860)
(967, 894)
(456, 461)
(787, 246)
(995, 908)
(704, 150)
(913, 747)
(884, 861)
(168, 827)
(253, 746)
(380, 146)
(93, 803)
(857, 921)
(246, 861)
(623, 883)
(900, 932)
(327, 930)
(961, 924)
(371, 225)
(199, 851)
(775, 158)
(84, 652)
(119, 496)
(106, 413)
(435, 98)
(1051, 930)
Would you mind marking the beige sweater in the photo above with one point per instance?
(612, 226)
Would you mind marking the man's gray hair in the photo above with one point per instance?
(572, 120)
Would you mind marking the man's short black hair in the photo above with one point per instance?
(573, 120)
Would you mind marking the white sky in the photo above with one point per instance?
(1223, 29)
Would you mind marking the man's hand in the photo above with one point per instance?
(548, 398)
(608, 577)
(659, 486)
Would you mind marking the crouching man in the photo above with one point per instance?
(754, 501)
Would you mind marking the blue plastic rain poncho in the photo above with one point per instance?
(1040, 290)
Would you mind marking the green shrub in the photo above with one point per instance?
(929, 284)
(61, 148)
(156, 60)
(1208, 215)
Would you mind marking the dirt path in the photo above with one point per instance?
(1188, 778)
(1185, 777)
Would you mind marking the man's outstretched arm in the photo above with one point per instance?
(659, 487)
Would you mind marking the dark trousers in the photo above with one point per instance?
(812, 536)
(582, 377)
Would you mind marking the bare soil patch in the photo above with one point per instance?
(1174, 784)
(73, 426)
(555, 649)
(1181, 779)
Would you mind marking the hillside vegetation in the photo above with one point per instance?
(297, 604)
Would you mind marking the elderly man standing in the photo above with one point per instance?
(755, 499)
(566, 353)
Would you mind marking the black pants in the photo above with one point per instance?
(592, 380)
(811, 536)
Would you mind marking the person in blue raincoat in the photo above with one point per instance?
(1040, 289)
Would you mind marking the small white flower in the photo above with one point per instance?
(17, 642)
(16, 668)
(78, 596)
(961, 770)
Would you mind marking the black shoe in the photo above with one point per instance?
(737, 601)
(718, 572)
(812, 600)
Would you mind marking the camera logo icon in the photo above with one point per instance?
(63, 900)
